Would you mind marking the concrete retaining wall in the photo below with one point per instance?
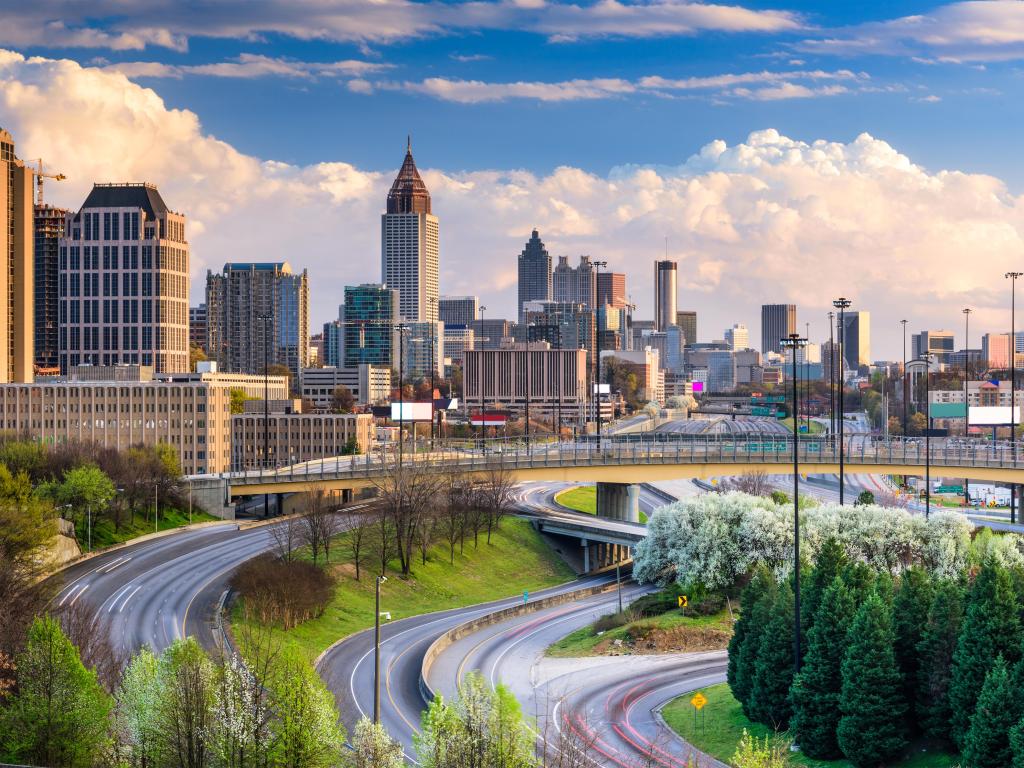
(460, 631)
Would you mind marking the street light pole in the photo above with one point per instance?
(433, 332)
(841, 304)
(927, 358)
(831, 376)
(265, 319)
(597, 346)
(904, 324)
(376, 651)
(794, 342)
(967, 357)
(401, 328)
(1012, 349)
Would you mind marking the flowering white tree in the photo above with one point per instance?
(239, 732)
(374, 748)
(947, 543)
(138, 711)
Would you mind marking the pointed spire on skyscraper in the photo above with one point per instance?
(408, 192)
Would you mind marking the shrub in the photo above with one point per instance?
(278, 592)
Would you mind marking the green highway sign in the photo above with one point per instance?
(762, 410)
(766, 447)
(768, 399)
(950, 489)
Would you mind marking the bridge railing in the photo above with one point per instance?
(768, 450)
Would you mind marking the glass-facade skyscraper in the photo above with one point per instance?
(534, 274)
(371, 314)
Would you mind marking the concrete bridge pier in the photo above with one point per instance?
(619, 501)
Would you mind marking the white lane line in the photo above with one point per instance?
(125, 601)
(72, 591)
(115, 565)
(80, 593)
(117, 596)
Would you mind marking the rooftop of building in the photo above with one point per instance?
(408, 193)
(258, 266)
(129, 195)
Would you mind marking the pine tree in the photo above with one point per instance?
(935, 658)
(871, 731)
(990, 628)
(909, 616)
(987, 744)
(761, 581)
(773, 669)
(815, 693)
(859, 579)
(827, 565)
(744, 674)
(1017, 744)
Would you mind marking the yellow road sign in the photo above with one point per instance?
(683, 602)
(699, 700)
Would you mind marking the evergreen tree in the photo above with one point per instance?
(871, 731)
(815, 693)
(827, 566)
(909, 617)
(987, 744)
(990, 628)
(744, 674)
(859, 579)
(773, 668)
(935, 659)
(1017, 744)
(760, 582)
(59, 715)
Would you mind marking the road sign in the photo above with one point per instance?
(767, 399)
(526, 596)
(683, 601)
(762, 410)
(950, 489)
(699, 700)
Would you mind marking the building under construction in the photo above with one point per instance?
(49, 228)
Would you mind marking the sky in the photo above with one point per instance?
(787, 151)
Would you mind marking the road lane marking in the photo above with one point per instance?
(80, 593)
(72, 591)
(125, 601)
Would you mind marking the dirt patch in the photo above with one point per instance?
(652, 640)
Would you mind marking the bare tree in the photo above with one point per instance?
(569, 743)
(90, 631)
(407, 495)
(496, 493)
(360, 525)
(320, 521)
(754, 482)
(288, 536)
(456, 500)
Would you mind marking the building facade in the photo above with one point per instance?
(458, 310)
(940, 344)
(197, 327)
(457, 339)
(564, 325)
(534, 270)
(422, 350)
(665, 293)
(777, 322)
(295, 438)
(333, 344)
(738, 337)
(371, 316)
(17, 329)
(574, 285)
(369, 384)
(410, 248)
(124, 281)
(258, 311)
(856, 339)
(645, 364)
(611, 290)
(491, 333)
(687, 320)
(49, 229)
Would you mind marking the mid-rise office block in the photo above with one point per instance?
(49, 229)
(940, 344)
(534, 274)
(665, 295)
(458, 310)
(491, 333)
(777, 322)
(564, 325)
(17, 329)
(410, 249)
(124, 281)
(611, 290)
(575, 285)
(296, 438)
(369, 384)
(422, 350)
(457, 339)
(687, 320)
(371, 317)
(332, 342)
(738, 337)
(197, 327)
(494, 379)
(258, 311)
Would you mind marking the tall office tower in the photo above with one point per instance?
(410, 251)
(16, 235)
(938, 343)
(124, 252)
(664, 294)
(687, 320)
(611, 289)
(857, 339)
(534, 273)
(371, 314)
(575, 285)
(458, 310)
(777, 322)
(197, 327)
(563, 324)
(422, 348)
(738, 337)
(995, 350)
(49, 229)
(248, 301)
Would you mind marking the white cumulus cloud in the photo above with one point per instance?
(770, 219)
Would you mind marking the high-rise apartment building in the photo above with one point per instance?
(611, 289)
(856, 342)
(458, 310)
(575, 285)
(665, 296)
(686, 319)
(535, 278)
(422, 350)
(333, 341)
(777, 322)
(410, 250)
(197, 327)
(16, 273)
(371, 314)
(49, 229)
(738, 337)
(256, 311)
(124, 281)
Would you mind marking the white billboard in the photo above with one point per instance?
(412, 411)
(993, 416)
(602, 389)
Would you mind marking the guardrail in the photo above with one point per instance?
(697, 449)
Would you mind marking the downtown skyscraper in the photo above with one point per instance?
(777, 322)
(410, 250)
(16, 235)
(534, 274)
(664, 294)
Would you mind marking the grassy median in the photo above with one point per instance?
(104, 534)
(720, 724)
(671, 632)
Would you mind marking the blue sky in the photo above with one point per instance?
(525, 112)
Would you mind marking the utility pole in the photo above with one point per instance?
(794, 342)
(841, 304)
(927, 358)
(376, 651)
(904, 324)
(967, 357)
(265, 319)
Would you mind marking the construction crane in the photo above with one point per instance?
(40, 175)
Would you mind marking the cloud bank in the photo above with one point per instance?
(770, 219)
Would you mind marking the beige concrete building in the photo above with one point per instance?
(16, 265)
(297, 437)
(119, 409)
(369, 384)
(498, 377)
